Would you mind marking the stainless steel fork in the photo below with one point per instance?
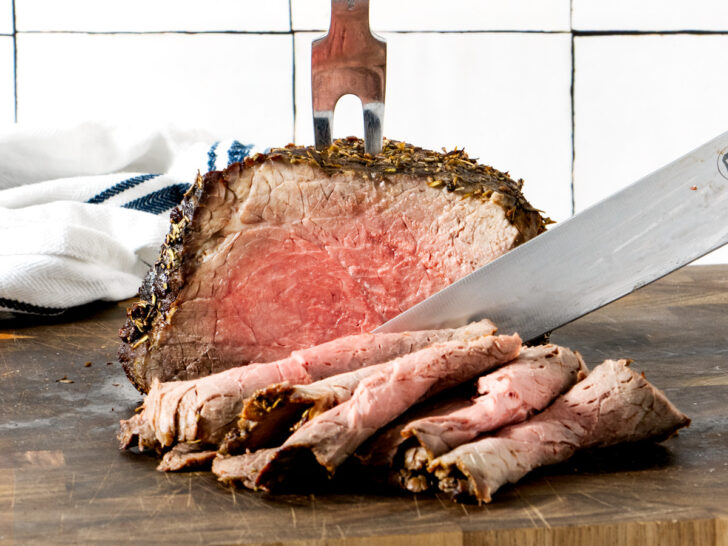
(350, 59)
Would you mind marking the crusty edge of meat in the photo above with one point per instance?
(165, 279)
(452, 171)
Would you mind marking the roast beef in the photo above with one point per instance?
(298, 246)
(508, 395)
(186, 456)
(326, 441)
(385, 457)
(612, 405)
(243, 469)
(271, 414)
(203, 410)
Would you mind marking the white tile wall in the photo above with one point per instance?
(504, 97)
(7, 93)
(234, 85)
(640, 102)
(6, 16)
(650, 15)
(453, 15)
(152, 15)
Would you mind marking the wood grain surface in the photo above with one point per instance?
(63, 480)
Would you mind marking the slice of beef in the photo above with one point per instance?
(613, 405)
(186, 456)
(326, 441)
(509, 395)
(300, 246)
(242, 469)
(272, 414)
(203, 410)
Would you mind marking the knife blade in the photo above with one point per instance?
(637, 235)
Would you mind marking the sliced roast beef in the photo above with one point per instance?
(243, 469)
(330, 438)
(300, 246)
(613, 405)
(378, 452)
(387, 456)
(186, 456)
(508, 395)
(272, 414)
(203, 410)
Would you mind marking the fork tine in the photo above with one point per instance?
(349, 59)
(373, 117)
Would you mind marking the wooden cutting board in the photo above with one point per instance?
(63, 480)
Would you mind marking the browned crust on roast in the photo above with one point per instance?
(451, 171)
(164, 281)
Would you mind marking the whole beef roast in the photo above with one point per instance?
(296, 247)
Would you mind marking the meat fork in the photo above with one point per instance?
(349, 59)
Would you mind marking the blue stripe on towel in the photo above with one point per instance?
(212, 157)
(22, 307)
(159, 201)
(120, 187)
(238, 152)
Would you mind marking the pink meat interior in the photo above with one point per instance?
(295, 269)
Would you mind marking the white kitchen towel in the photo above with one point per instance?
(84, 210)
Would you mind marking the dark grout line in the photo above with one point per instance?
(15, 64)
(290, 31)
(573, 121)
(293, 64)
(491, 31)
(131, 32)
(573, 128)
(648, 32)
(577, 33)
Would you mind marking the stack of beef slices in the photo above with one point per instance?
(463, 411)
(250, 337)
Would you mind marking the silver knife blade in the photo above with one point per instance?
(655, 226)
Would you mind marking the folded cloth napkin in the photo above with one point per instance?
(84, 210)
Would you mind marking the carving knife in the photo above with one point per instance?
(649, 229)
